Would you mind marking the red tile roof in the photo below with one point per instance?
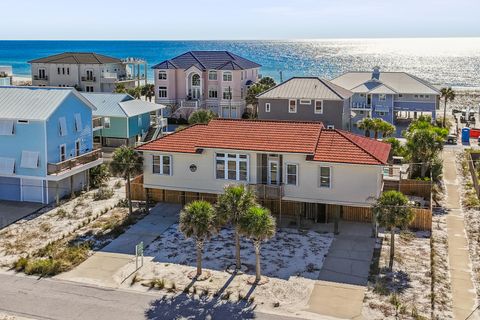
(309, 138)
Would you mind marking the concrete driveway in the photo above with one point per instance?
(100, 268)
(11, 211)
(344, 274)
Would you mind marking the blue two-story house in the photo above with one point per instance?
(46, 143)
(387, 94)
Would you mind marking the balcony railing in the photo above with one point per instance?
(89, 79)
(269, 191)
(56, 168)
(36, 77)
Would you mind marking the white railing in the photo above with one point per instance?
(110, 75)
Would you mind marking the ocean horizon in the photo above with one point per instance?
(441, 61)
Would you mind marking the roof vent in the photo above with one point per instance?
(376, 73)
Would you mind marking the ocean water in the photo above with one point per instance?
(442, 61)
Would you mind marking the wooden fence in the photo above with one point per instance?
(287, 209)
(416, 188)
(471, 159)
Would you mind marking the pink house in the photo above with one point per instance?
(215, 80)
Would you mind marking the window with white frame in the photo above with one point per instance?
(305, 101)
(78, 147)
(7, 128)
(227, 93)
(29, 159)
(212, 75)
(162, 165)
(231, 166)
(330, 127)
(325, 177)
(267, 107)
(319, 106)
(162, 92)
(89, 88)
(382, 97)
(213, 92)
(78, 122)
(227, 76)
(62, 124)
(381, 113)
(291, 173)
(292, 106)
(106, 122)
(162, 75)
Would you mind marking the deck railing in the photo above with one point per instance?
(56, 168)
(268, 191)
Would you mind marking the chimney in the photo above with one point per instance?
(376, 73)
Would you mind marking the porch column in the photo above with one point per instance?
(88, 180)
(57, 195)
(72, 193)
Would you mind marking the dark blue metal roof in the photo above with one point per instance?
(208, 60)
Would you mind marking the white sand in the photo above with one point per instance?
(52, 223)
(292, 261)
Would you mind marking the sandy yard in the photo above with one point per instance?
(34, 232)
(292, 261)
(406, 291)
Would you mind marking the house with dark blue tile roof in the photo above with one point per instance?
(215, 80)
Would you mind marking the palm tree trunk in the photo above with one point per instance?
(199, 257)
(258, 273)
(375, 134)
(238, 263)
(367, 133)
(444, 112)
(129, 195)
(392, 247)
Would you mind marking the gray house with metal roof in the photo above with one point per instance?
(307, 99)
(216, 80)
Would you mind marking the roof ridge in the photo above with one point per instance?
(268, 120)
(329, 87)
(360, 147)
(193, 55)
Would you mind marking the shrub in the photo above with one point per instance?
(157, 284)
(99, 176)
(43, 267)
(20, 264)
(103, 194)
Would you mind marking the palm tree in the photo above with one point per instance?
(231, 206)
(448, 95)
(386, 128)
(126, 162)
(148, 90)
(366, 124)
(201, 116)
(259, 225)
(120, 88)
(197, 221)
(393, 211)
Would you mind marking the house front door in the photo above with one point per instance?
(273, 172)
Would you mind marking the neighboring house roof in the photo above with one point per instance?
(34, 103)
(119, 105)
(77, 58)
(399, 82)
(306, 88)
(208, 60)
(309, 138)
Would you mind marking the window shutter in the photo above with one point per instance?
(7, 166)
(78, 122)
(29, 159)
(6, 127)
(63, 126)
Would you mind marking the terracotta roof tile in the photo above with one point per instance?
(309, 138)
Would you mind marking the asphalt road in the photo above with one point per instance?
(61, 300)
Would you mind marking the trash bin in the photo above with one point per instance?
(466, 135)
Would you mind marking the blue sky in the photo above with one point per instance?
(238, 19)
